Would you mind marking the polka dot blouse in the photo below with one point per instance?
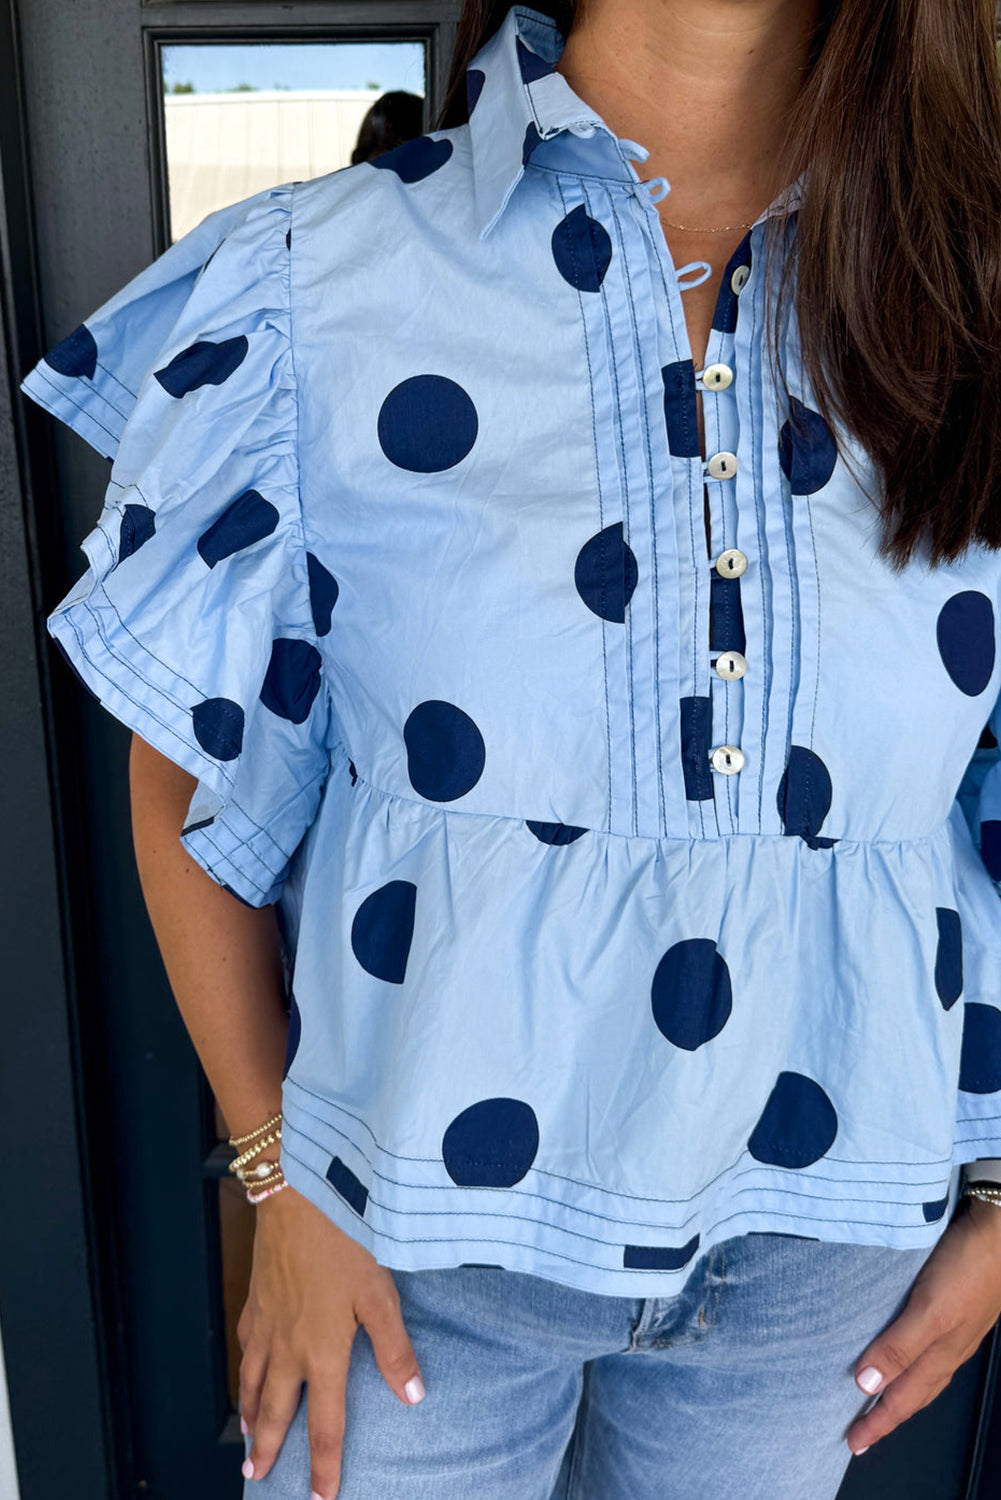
(642, 887)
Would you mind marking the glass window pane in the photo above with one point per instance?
(240, 117)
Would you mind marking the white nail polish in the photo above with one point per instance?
(414, 1389)
(870, 1379)
(863, 1450)
(247, 1469)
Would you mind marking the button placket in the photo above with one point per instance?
(726, 638)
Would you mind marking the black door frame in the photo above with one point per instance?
(67, 1292)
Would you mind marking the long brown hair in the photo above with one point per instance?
(897, 249)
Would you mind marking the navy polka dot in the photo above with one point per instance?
(965, 632)
(352, 772)
(555, 833)
(218, 726)
(475, 79)
(681, 412)
(294, 1034)
(383, 929)
(987, 740)
(288, 239)
(949, 956)
(415, 159)
(804, 796)
(247, 519)
(691, 993)
(445, 751)
(797, 1125)
(725, 311)
(990, 846)
(980, 1059)
(76, 354)
(350, 1187)
(531, 64)
(933, 1211)
(807, 451)
(292, 680)
(323, 591)
(582, 250)
(480, 1265)
(696, 716)
(426, 424)
(659, 1257)
(203, 363)
(532, 139)
(138, 525)
(491, 1144)
(605, 573)
(194, 827)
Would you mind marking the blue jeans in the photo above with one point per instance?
(738, 1386)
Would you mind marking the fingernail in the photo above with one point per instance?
(247, 1469)
(857, 1451)
(870, 1379)
(243, 1426)
(314, 1496)
(414, 1389)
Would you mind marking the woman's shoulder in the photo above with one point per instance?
(425, 182)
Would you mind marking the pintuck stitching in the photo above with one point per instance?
(601, 516)
(654, 579)
(613, 357)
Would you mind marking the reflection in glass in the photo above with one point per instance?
(242, 117)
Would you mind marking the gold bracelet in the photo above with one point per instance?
(271, 1186)
(255, 1150)
(262, 1170)
(238, 1140)
(985, 1194)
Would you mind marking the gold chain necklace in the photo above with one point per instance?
(691, 229)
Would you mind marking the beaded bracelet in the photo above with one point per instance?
(266, 1175)
(259, 1197)
(255, 1150)
(238, 1140)
(987, 1192)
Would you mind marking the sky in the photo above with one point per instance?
(215, 66)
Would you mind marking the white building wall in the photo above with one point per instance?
(223, 147)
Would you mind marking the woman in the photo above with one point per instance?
(568, 639)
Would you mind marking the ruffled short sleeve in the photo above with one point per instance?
(193, 623)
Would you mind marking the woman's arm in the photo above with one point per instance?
(223, 959)
(311, 1284)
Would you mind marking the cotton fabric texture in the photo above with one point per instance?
(403, 557)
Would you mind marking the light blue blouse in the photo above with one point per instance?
(639, 897)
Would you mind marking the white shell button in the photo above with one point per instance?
(728, 759)
(717, 377)
(731, 563)
(739, 278)
(730, 665)
(722, 465)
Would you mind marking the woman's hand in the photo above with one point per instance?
(954, 1302)
(310, 1287)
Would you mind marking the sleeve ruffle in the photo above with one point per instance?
(194, 624)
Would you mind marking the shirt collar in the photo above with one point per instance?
(517, 100)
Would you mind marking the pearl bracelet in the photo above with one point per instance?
(987, 1192)
(266, 1175)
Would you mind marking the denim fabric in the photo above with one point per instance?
(738, 1386)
